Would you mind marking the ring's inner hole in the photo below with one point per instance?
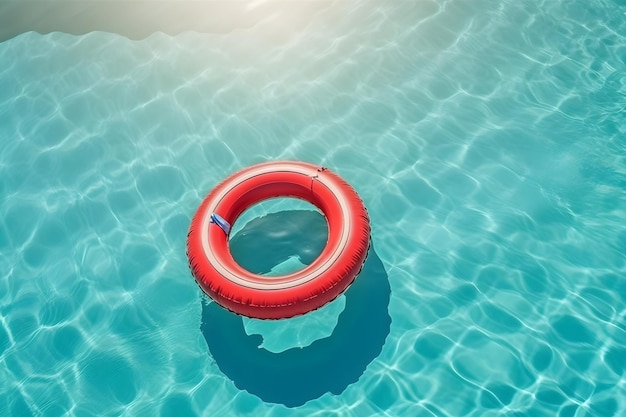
(278, 236)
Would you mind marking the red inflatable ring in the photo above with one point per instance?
(264, 297)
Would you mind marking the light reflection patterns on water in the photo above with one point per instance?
(486, 139)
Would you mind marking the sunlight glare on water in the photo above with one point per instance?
(486, 139)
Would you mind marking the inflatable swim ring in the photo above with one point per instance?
(276, 297)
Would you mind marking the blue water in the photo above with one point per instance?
(486, 138)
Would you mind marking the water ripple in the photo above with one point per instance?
(485, 139)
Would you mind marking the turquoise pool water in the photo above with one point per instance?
(486, 138)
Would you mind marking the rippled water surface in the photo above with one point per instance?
(486, 138)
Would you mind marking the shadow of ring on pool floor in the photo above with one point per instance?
(298, 375)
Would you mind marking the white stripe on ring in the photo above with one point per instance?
(285, 167)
